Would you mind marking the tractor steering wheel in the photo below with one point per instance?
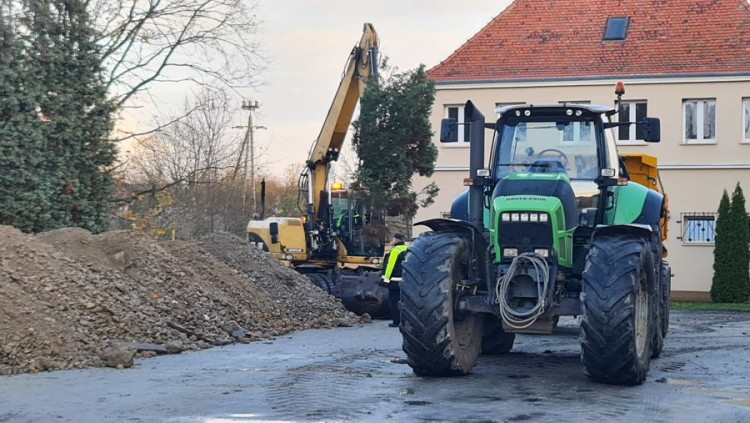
(563, 158)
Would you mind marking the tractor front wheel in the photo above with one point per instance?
(618, 313)
(437, 340)
(495, 340)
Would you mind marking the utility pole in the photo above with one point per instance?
(249, 106)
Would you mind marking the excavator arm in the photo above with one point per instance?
(361, 66)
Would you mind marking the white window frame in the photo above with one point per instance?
(631, 118)
(460, 129)
(576, 126)
(746, 120)
(699, 112)
(685, 217)
(577, 129)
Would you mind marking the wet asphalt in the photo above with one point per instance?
(359, 374)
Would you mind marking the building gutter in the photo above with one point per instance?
(596, 80)
(664, 166)
(706, 166)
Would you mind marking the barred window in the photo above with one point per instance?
(698, 228)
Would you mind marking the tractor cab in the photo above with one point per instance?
(554, 150)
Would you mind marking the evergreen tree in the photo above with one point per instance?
(741, 239)
(393, 142)
(55, 121)
(721, 286)
(731, 281)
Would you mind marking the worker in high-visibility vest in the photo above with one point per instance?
(392, 276)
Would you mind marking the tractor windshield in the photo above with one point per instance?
(539, 146)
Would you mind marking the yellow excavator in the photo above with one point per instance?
(337, 243)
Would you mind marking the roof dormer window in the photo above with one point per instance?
(616, 29)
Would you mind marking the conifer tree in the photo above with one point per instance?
(721, 286)
(731, 282)
(54, 120)
(393, 142)
(741, 239)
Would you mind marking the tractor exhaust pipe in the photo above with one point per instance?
(476, 121)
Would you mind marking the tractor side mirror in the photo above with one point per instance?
(273, 228)
(651, 129)
(449, 130)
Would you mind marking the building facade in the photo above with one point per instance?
(687, 65)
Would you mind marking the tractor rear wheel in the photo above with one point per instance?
(495, 340)
(618, 313)
(666, 291)
(437, 340)
(661, 326)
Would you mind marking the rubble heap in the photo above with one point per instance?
(70, 299)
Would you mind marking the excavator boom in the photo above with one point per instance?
(320, 245)
(361, 66)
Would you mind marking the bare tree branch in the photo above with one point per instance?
(154, 41)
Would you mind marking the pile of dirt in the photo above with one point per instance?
(70, 299)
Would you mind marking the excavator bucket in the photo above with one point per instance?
(363, 293)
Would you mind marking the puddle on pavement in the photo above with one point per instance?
(729, 397)
(743, 403)
(682, 382)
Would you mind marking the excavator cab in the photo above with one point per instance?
(354, 224)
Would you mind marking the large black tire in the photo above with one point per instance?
(666, 292)
(617, 324)
(323, 281)
(437, 341)
(661, 325)
(495, 340)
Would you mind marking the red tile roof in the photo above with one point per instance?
(541, 39)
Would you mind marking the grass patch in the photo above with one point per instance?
(710, 306)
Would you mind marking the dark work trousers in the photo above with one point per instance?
(394, 295)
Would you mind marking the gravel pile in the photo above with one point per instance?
(70, 299)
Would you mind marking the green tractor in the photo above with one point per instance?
(555, 226)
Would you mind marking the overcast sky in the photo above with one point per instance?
(307, 43)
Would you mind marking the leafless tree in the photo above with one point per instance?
(145, 42)
(189, 167)
(193, 150)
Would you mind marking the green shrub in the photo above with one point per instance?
(731, 282)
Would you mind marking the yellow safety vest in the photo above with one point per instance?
(392, 259)
(340, 219)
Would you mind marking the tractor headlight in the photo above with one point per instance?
(506, 217)
(515, 217)
(510, 252)
(543, 252)
(534, 217)
(543, 217)
(524, 217)
(288, 257)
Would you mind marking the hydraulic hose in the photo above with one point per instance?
(523, 319)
